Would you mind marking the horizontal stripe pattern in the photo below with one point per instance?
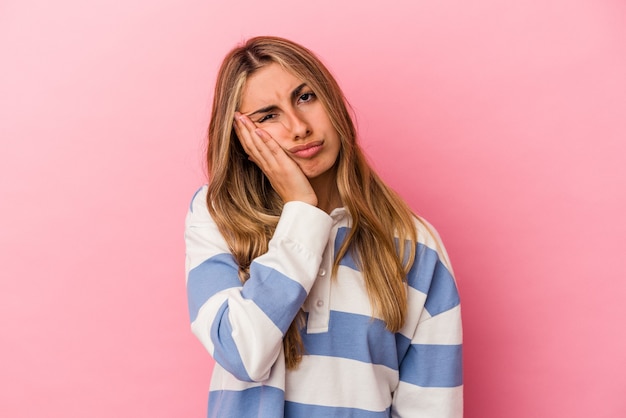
(429, 402)
(260, 401)
(275, 294)
(443, 329)
(354, 367)
(212, 276)
(299, 410)
(430, 365)
(223, 380)
(369, 341)
(341, 382)
(430, 276)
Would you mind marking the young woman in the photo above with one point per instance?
(312, 285)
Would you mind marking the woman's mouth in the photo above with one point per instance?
(307, 150)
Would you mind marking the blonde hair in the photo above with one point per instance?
(246, 208)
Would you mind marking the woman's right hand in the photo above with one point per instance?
(283, 173)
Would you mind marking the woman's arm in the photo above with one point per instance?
(242, 326)
(431, 370)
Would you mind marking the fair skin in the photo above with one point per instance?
(286, 131)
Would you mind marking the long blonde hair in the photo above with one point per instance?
(246, 208)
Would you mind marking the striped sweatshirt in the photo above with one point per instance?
(353, 366)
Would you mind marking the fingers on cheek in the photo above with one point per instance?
(244, 123)
(241, 131)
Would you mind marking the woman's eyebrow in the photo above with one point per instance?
(265, 109)
(296, 92)
(271, 108)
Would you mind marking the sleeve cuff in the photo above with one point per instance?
(304, 224)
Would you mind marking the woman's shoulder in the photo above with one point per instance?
(198, 213)
(428, 236)
(426, 232)
(198, 200)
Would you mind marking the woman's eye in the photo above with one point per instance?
(307, 97)
(267, 117)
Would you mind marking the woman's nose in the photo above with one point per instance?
(298, 126)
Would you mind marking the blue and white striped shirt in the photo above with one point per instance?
(353, 366)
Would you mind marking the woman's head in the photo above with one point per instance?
(226, 157)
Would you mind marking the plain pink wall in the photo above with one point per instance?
(502, 123)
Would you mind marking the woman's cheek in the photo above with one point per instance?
(276, 131)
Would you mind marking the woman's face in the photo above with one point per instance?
(288, 110)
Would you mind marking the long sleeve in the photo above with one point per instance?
(430, 343)
(242, 326)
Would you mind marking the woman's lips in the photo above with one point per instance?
(307, 150)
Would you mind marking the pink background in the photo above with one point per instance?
(504, 125)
